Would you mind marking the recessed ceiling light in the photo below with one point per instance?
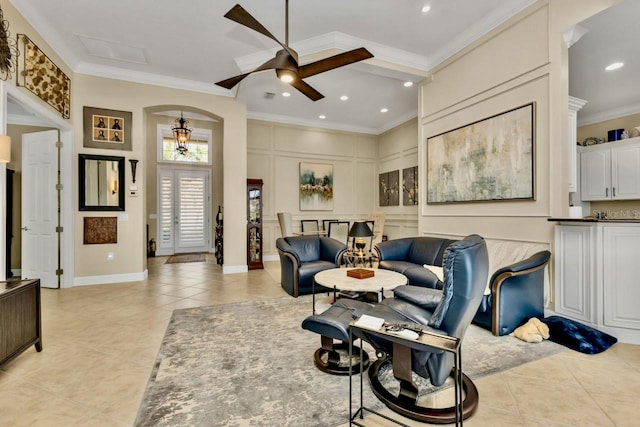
(344, 98)
(322, 117)
(614, 66)
(426, 8)
(408, 84)
(286, 94)
(384, 110)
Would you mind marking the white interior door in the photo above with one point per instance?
(184, 217)
(39, 207)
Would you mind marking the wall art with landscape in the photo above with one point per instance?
(316, 187)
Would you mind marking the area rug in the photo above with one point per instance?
(577, 336)
(251, 364)
(177, 259)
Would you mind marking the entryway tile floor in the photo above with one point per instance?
(100, 344)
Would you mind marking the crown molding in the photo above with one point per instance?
(483, 26)
(322, 124)
(151, 79)
(28, 10)
(609, 115)
(398, 121)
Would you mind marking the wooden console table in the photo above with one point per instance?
(20, 318)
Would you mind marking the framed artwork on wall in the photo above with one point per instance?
(100, 230)
(389, 188)
(489, 160)
(109, 129)
(316, 187)
(37, 73)
(410, 186)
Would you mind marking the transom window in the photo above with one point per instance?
(199, 147)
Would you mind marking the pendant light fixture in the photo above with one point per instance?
(182, 134)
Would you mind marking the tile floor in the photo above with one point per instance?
(100, 344)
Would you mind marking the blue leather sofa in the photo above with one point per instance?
(301, 257)
(516, 291)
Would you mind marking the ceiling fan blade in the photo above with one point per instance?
(242, 17)
(273, 63)
(231, 82)
(333, 62)
(307, 90)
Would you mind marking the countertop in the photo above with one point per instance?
(591, 219)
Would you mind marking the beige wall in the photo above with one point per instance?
(600, 129)
(274, 154)
(523, 60)
(398, 150)
(130, 251)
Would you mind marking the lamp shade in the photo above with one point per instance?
(5, 148)
(360, 229)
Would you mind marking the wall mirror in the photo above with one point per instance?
(101, 183)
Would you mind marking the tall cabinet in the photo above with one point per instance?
(254, 224)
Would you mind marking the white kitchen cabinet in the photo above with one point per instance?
(597, 275)
(621, 276)
(610, 171)
(574, 275)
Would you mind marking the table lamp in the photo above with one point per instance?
(360, 230)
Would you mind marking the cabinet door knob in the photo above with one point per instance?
(25, 228)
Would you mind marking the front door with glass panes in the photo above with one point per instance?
(184, 214)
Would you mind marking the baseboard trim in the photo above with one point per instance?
(271, 257)
(108, 279)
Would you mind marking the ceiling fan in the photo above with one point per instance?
(286, 60)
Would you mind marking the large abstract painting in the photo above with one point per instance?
(316, 187)
(489, 160)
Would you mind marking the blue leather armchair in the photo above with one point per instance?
(301, 257)
(447, 311)
(517, 294)
(516, 290)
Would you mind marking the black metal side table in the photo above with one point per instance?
(426, 340)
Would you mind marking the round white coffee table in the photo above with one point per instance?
(337, 279)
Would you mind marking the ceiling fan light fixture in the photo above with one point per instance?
(408, 84)
(286, 76)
